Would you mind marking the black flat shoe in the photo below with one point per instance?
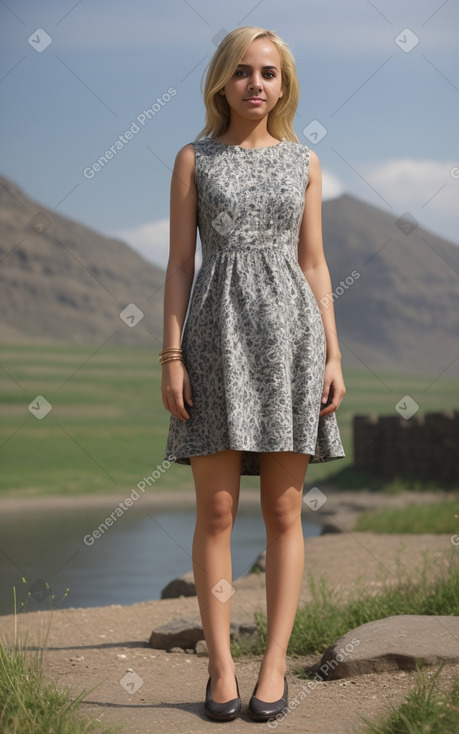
(259, 710)
(224, 711)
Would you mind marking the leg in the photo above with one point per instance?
(217, 483)
(282, 477)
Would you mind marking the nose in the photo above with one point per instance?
(255, 81)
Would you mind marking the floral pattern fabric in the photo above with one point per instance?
(253, 340)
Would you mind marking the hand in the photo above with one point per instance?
(334, 389)
(176, 388)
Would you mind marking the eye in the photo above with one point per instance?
(269, 74)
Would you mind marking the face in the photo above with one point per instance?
(255, 86)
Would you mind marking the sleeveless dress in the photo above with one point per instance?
(253, 340)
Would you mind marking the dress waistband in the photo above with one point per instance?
(286, 248)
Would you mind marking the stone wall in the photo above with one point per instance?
(425, 446)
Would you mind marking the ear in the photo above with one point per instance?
(222, 92)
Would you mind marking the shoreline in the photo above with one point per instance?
(175, 499)
(345, 503)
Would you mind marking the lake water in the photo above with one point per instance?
(131, 562)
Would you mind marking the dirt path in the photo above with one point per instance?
(98, 646)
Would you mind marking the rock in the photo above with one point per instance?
(393, 643)
(202, 649)
(238, 628)
(332, 526)
(181, 586)
(177, 633)
(185, 634)
(260, 563)
(185, 586)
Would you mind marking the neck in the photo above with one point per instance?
(245, 131)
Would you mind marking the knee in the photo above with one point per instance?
(281, 517)
(216, 518)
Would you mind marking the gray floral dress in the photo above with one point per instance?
(253, 341)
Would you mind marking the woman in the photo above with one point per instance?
(254, 380)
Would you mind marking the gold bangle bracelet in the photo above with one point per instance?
(172, 358)
(172, 350)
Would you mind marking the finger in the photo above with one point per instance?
(181, 411)
(187, 394)
(184, 415)
(325, 392)
(171, 406)
(330, 408)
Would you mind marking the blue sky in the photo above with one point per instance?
(381, 77)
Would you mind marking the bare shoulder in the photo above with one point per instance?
(313, 159)
(185, 161)
(314, 165)
(186, 154)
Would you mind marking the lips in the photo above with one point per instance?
(254, 100)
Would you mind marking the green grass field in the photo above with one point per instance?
(431, 518)
(107, 428)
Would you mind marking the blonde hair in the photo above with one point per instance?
(220, 70)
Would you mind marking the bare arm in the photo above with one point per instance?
(182, 246)
(175, 385)
(312, 261)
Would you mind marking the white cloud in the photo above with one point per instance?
(151, 240)
(426, 186)
(331, 186)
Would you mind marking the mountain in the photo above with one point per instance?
(402, 311)
(61, 281)
(394, 285)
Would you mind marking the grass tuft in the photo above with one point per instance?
(31, 705)
(426, 709)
